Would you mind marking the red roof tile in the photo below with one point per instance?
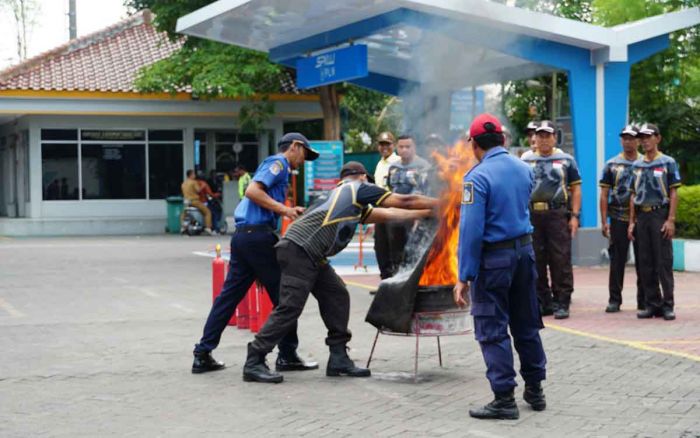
(107, 60)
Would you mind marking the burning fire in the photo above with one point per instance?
(441, 266)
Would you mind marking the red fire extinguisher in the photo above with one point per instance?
(243, 310)
(255, 308)
(265, 304)
(218, 274)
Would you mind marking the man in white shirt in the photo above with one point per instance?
(531, 140)
(385, 145)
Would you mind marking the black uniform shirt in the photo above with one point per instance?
(653, 179)
(618, 177)
(409, 178)
(329, 224)
(554, 174)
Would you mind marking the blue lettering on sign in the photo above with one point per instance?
(332, 67)
(325, 60)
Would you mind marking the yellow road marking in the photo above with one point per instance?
(362, 285)
(640, 345)
(673, 341)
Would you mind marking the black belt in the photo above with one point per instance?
(545, 206)
(253, 228)
(648, 208)
(508, 244)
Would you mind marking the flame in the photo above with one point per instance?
(441, 266)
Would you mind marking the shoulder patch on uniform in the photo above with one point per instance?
(468, 193)
(276, 167)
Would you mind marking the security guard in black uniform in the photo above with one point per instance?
(615, 190)
(555, 224)
(652, 215)
(495, 255)
(323, 231)
(253, 253)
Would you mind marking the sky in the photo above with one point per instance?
(51, 25)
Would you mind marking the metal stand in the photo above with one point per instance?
(421, 328)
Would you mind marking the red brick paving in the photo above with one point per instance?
(588, 318)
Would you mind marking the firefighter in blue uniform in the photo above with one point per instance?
(253, 253)
(497, 266)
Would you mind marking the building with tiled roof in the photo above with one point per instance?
(106, 61)
(83, 152)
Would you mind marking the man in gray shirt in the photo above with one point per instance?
(409, 176)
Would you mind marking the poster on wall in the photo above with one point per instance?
(323, 173)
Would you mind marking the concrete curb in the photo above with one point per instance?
(686, 255)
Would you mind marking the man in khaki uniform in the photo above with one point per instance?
(190, 191)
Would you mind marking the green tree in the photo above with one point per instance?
(664, 89)
(211, 69)
(366, 114)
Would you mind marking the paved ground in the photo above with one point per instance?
(97, 335)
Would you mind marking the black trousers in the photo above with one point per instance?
(655, 259)
(301, 275)
(398, 237)
(552, 242)
(382, 250)
(618, 251)
(252, 257)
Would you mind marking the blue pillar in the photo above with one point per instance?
(582, 92)
(617, 84)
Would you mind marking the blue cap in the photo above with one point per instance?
(311, 154)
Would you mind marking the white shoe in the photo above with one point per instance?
(209, 232)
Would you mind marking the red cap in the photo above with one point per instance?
(485, 124)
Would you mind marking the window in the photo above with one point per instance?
(164, 170)
(111, 164)
(163, 135)
(165, 152)
(234, 148)
(113, 171)
(59, 134)
(59, 164)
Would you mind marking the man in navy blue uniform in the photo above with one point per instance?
(497, 266)
(253, 253)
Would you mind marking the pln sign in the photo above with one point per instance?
(331, 67)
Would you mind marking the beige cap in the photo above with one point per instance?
(385, 137)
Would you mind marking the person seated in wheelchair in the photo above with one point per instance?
(190, 192)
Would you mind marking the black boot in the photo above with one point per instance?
(204, 362)
(668, 313)
(546, 310)
(562, 312)
(534, 395)
(339, 364)
(649, 312)
(502, 407)
(256, 370)
(612, 308)
(292, 362)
